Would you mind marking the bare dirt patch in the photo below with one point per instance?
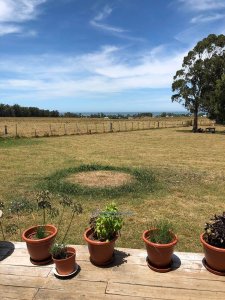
(101, 179)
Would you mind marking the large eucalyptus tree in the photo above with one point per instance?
(195, 83)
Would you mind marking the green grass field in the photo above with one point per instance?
(189, 170)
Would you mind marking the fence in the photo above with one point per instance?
(30, 129)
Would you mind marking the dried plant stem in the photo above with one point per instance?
(68, 228)
(3, 235)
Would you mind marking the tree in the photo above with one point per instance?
(195, 83)
(218, 101)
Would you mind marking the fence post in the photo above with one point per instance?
(87, 128)
(103, 126)
(64, 129)
(125, 126)
(16, 130)
(77, 128)
(50, 129)
(110, 127)
(6, 129)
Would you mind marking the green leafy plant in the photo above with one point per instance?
(19, 207)
(22, 206)
(162, 234)
(106, 224)
(215, 231)
(41, 232)
(59, 249)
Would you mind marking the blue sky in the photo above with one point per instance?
(99, 55)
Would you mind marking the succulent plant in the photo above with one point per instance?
(215, 231)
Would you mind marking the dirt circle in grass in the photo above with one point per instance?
(101, 179)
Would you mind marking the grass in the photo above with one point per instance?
(189, 167)
(16, 142)
(144, 182)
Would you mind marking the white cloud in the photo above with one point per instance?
(104, 14)
(203, 5)
(13, 12)
(7, 29)
(101, 72)
(98, 22)
(207, 18)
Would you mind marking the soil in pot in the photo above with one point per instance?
(101, 253)
(159, 255)
(39, 248)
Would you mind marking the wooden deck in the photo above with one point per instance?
(127, 278)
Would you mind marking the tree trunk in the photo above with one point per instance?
(195, 125)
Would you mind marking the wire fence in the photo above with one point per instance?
(32, 129)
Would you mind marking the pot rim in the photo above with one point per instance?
(69, 250)
(96, 242)
(210, 246)
(173, 243)
(26, 239)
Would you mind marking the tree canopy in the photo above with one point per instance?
(198, 83)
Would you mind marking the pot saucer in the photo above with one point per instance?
(160, 270)
(220, 273)
(68, 275)
(41, 262)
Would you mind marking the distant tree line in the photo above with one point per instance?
(20, 111)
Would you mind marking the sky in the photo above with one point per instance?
(99, 55)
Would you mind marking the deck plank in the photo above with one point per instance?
(161, 293)
(127, 278)
(19, 293)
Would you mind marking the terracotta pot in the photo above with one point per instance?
(39, 248)
(101, 253)
(215, 257)
(67, 265)
(159, 255)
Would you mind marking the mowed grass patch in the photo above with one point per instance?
(143, 182)
(190, 167)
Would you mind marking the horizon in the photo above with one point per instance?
(96, 56)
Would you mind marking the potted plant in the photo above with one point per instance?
(160, 241)
(213, 241)
(64, 256)
(102, 234)
(40, 238)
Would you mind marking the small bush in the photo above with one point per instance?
(106, 224)
(215, 231)
(162, 234)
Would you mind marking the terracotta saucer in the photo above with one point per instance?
(41, 262)
(68, 275)
(220, 273)
(160, 270)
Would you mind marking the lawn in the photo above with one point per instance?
(189, 170)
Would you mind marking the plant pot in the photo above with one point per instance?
(101, 253)
(215, 257)
(159, 255)
(67, 265)
(39, 248)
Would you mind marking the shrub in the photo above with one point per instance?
(106, 224)
(162, 234)
(215, 231)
